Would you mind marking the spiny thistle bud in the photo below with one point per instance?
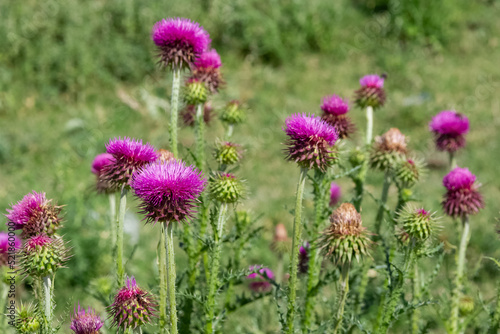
(132, 307)
(388, 149)
(165, 155)
(8, 244)
(227, 153)
(462, 197)
(42, 256)
(86, 322)
(259, 282)
(335, 194)
(334, 113)
(26, 320)
(189, 114)
(310, 141)
(357, 157)
(34, 215)
(281, 241)
(225, 188)
(234, 113)
(449, 128)
(371, 92)
(407, 172)
(207, 69)
(129, 156)
(417, 224)
(466, 306)
(345, 238)
(101, 161)
(180, 41)
(195, 92)
(304, 257)
(168, 191)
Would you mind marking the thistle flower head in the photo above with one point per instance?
(132, 307)
(345, 238)
(42, 255)
(304, 257)
(335, 105)
(462, 197)
(407, 172)
(189, 114)
(168, 190)
(26, 319)
(335, 194)
(234, 113)
(281, 241)
(8, 244)
(371, 92)
(309, 141)
(334, 113)
(388, 149)
(449, 128)
(259, 282)
(129, 156)
(165, 155)
(34, 215)
(227, 153)
(85, 321)
(195, 92)
(225, 187)
(100, 162)
(417, 224)
(180, 41)
(207, 69)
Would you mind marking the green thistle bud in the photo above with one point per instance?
(357, 157)
(388, 150)
(227, 153)
(233, 113)
(417, 224)
(42, 255)
(195, 92)
(225, 188)
(466, 306)
(345, 238)
(26, 320)
(407, 172)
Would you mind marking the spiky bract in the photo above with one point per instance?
(42, 255)
(225, 188)
(417, 224)
(195, 92)
(387, 150)
(85, 321)
(26, 319)
(227, 153)
(407, 172)
(462, 197)
(233, 113)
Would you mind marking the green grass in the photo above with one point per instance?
(72, 77)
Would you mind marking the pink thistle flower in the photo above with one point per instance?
(180, 41)
(310, 141)
(129, 156)
(304, 257)
(86, 322)
(168, 190)
(100, 162)
(207, 69)
(335, 194)
(335, 105)
(372, 81)
(334, 113)
(132, 306)
(259, 281)
(371, 92)
(449, 128)
(8, 244)
(462, 197)
(34, 214)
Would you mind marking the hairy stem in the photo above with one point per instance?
(415, 315)
(343, 291)
(120, 269)
(359, 186)
(383, 202)
(453, 160)
(162, 269)
(112, 219)
(171, 275)
(47, 303)
(369, 125)
(174, 110)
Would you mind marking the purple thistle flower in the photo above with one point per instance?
(449, 128)
(129, 156)
(371, 92)
(132, 306)
(372, 80)
(304, 257)
(85, 322)
(461, 198)
(100, 161)
(334, 113)
(34, 214)
(207, 69)
(335, 105)
(168, 190)
(180, 41)
(208, 59)
(335, 194)
(8, 245)
(310, 141)
(259, 281)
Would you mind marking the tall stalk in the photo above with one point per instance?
(171, 275)
(453, 160)
(294, 258)
(383, 202)
(162, 260)
(415, 314)
(120, 269)
(47, 307)
(343, 291)
(369, 125)
(112, 219)
(174, 110)
(459, 277)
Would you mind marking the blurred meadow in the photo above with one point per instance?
(74, 74)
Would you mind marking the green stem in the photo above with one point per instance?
(112, 217)
(47, 302)
(120, 270)
(343, 291)
(214, 269)
(171, 275)
(459, 277)
(204, 210)
(369, 125)
(359, 186)
(383, 202)
(294, 258)
(162, 269)
(174, 110)
(415, 315)
(453, 160)
(229, 133)
(279, 269)
(200, 137)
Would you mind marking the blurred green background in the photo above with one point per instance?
(75, 73)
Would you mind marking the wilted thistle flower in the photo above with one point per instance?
(8, 245)
(132, 307)
(462, 197)
(227, 153)
(334, 113)
(233, 113)
(281, 241)
(304, 257)
(449, 128)
(345, 238)
(225, 187)
(388, 149)
(180, 41)
(86, 322)
(101, 161)
(407, 172)
(371, 92)
(259, 282)
(129, 156)
(207, 69)
(168, 191)
(335, 194)
(34, 215)
(26, 320)
(417, 224)
(195, 92)
(310, 141)
(189, 114)
(42, 255)
(165, 155)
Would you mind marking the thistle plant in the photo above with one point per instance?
(27, 321)
(168, 192)
(86, 321)
(334, 113)
(371, 96)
